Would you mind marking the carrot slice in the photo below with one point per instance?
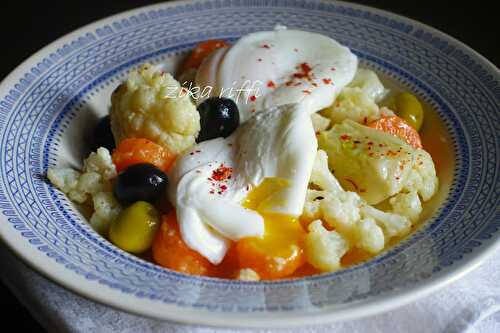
(398, 127)
(135, 151)
(170, 251)
(200, 52)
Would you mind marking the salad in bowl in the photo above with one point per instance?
(274, 157)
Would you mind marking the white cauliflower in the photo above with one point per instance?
(369, 236)
(341, 211)
(101, 163)
(406, 204)
(312, 205)
(65, 179)
(324, 248)
(151, 104)
(360, 224)
(353, 103)
(98, 170)
(358, 101)
(369, 82)
(319, 122)
(92, 185)
(89, 183)
(392, 224)
(423, 177)
(106, 209)
(375, 164)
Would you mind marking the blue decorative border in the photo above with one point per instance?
(38, 109)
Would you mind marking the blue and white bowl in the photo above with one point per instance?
(50, 100)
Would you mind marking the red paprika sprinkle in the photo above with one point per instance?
(307, 92)
(253, 98)
(271, 84)
(221, 173)
(305, 72)
(327, 81)
(265, 46)
(305, 68)
(345, 137)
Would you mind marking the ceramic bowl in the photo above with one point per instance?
(53, 98)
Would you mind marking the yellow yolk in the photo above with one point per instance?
(280, 252)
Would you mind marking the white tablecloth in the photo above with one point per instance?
(471, 304)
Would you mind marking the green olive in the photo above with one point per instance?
(135, 227)
(408, 107)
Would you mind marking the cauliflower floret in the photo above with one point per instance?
(106, 210)
(247, 274)
(355, 104)
(406, 204)
(370, 237)
(369, 82)
(360, 224)
(65, 179)
(339, 208)
(68, 181)
(423, 177)
(98, 169)
(324, 248)
(319, 122)
(392, 224)
(373, 163)
(341, 211)
(100, 162)
(312, 205)
(94, 183)
(151, 104)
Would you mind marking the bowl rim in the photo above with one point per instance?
(381, 303)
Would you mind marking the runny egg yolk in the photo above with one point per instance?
(280, 252)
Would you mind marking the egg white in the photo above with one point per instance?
(266, 65)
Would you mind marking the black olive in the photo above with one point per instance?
(219, 117)
(140, 182)
(102, 135)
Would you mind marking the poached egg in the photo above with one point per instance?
(211, 181)
(278, 79)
